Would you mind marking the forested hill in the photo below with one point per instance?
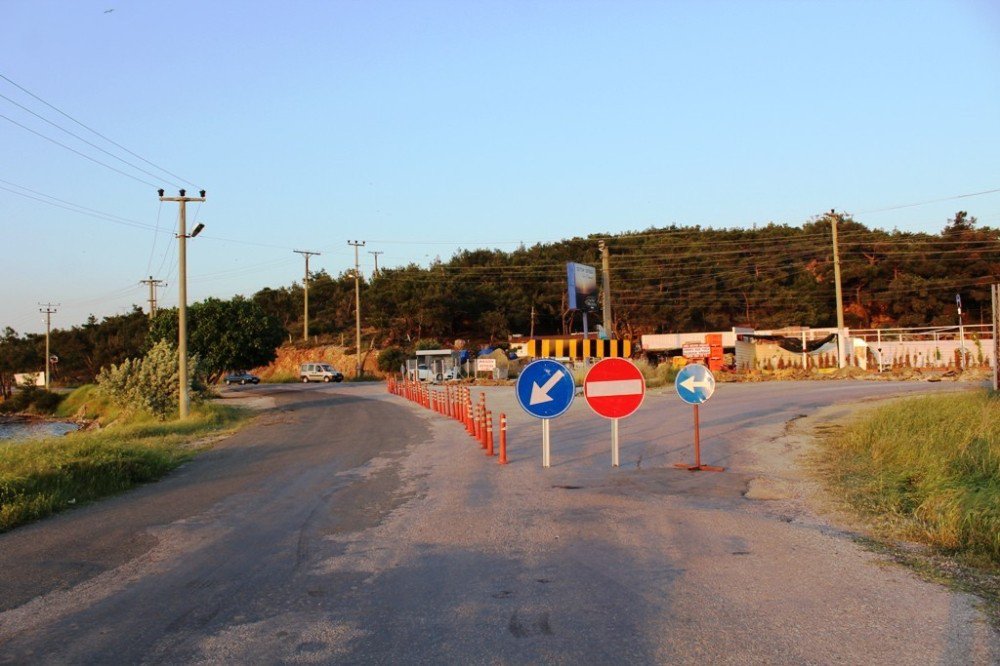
(662, 280)
(671, 279)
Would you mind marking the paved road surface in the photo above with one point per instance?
(351, 526)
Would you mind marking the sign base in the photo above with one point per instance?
(699, 468)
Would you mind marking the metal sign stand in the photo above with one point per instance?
(697, 466)
(614, 442)
(546, 459)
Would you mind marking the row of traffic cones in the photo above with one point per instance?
(456, 402)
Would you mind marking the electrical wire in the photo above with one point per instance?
(74, 150)
(80, 138)
(92, 130)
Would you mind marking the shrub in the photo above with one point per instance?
(390, 359)
(149, 383)
(32, 399)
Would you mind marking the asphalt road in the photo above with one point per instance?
(352, 526)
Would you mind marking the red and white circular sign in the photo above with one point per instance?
(614, 388)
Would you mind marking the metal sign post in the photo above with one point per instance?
(545, 390)
(614, 442)
(614, 388)
(695, 385)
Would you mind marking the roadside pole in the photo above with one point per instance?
(182, 236)
(48, 312)
(996, 337)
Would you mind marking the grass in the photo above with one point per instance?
(926, 469)
(41, 477)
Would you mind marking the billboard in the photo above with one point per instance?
(582, 281)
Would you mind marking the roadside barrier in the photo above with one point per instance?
(489, 433)
(503, 439)
(456, 402)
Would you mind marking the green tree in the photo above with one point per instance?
(226, 335)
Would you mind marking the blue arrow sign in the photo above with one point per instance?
(695, 384)
(545, 389)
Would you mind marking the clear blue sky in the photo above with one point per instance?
(423, 127)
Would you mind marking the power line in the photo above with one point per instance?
(92, 130)
(74, 150)
(80, 138)
(929, 201)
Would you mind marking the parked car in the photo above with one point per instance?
(241, 378)
(319, 372)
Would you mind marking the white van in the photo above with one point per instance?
(319, 372)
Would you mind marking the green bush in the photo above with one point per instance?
(391, 358)
(150, 383)
(31, 399)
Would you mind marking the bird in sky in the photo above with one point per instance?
(108, 11)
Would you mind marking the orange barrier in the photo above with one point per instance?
(489, 433)
(503, 439)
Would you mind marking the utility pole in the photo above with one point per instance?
(841, 356)
(375, 253)
(305, 284)
(532, 334)
(182, 236)
(153, 284)
(48, 311)
(961, 332)
(995, 292)
(605, 287)
(357, 302)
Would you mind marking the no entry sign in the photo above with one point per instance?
(614, 388)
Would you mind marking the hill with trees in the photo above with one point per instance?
(662, 280)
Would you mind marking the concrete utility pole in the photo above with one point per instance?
(605, 287)
(48, 310)
(532, 334)
(961, 333)
(375, 253)
(153, 284)
(357, 302)
(995, 289)
(182, 236)
(305, 285)
(841, 352)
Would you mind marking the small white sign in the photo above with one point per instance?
(696, 350)
(486, 364)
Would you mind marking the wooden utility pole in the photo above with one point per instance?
(357, 302)
(605, 287)
(184, 399)
(48, 309)
(841, 352)
(305, 285)
(153, 284)
(375, 253)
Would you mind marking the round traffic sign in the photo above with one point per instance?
(545, 389)
(614, 388)
(695, 384)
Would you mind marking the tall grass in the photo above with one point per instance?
(42, 477)
(928, 469)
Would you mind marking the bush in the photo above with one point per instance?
(32, 399)
(390, 359)
(149, 383)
